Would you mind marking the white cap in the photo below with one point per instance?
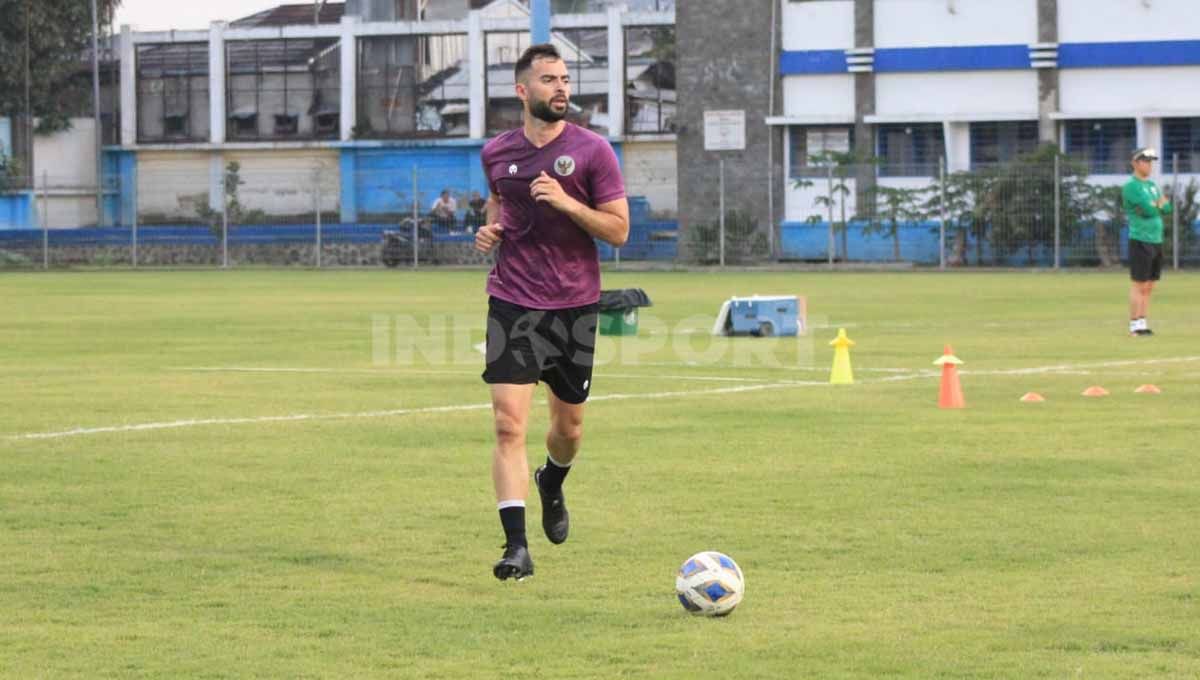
(1147, 153)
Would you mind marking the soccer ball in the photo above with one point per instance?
(710, 583)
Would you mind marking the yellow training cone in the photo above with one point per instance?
(841, 374)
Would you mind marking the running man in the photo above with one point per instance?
(1144, 205)
(555, 187)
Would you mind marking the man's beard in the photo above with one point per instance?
(542, 111)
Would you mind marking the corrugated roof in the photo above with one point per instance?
(292, 15)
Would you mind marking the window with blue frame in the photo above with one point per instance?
(1103, 145)
(995, 143)
(1181, 136)
(808, 143)
(910, 150)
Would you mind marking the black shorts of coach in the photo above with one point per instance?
(554, 346)
(1145, 260)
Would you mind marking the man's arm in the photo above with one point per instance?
(1138, 199)
(488, 236)
(608, 222)
(1163, 204)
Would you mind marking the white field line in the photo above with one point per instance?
(1062, 369)
(175, 424)
(607, 397)
(817, 369)
(600, 373)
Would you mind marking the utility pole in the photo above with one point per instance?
(96, 116)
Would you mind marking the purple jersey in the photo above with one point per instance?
(545, 260)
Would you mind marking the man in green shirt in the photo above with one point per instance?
(1144, 205)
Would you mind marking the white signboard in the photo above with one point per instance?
(724, 130)
(821, 141)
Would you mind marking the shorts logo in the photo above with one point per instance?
(512, 169)
(564, 166)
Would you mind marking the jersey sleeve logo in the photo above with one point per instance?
(512, 169)
(564, 166)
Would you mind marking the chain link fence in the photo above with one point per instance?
(1041, 211)
(1036, 212)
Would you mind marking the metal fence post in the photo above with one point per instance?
(224, 232)
(317, 210)
(45, 220)
(942, 228)
(721, 209)
(416, 218)
(1175, 213)
(133, 190)
(1057, 212)
(830, 246)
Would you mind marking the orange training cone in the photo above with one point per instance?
(1032, 398)
(950, 395)
(1095, 391)
(1148, 389)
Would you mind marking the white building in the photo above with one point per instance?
(978, 81)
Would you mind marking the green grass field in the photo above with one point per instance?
(167, 512)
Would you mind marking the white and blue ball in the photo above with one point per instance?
(710, 584)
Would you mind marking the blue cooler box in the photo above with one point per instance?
(759, 315)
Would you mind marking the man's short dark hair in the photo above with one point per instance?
(541, 51)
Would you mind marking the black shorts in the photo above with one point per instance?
(554, 346)
(1145, 260)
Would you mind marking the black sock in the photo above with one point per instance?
(553, 476)
(513, 520)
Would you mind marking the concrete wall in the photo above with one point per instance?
(827, 95)
(1121, 92)
(67, 157)
(930, 23)
(650, 171)
(946, 96)
(169, 184)
(723, 57)
(283, 182)
(1126, 20)
(67, 161)
(818, 25)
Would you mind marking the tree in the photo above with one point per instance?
(960, 201)
(55, 36)
(1019, 203)
(10, 172)
(841, 166)
(898, 206)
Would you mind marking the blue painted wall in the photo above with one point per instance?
(378, 179)
(120, 187)
(792, 62)
(16, 211)
(991, 57)
(919, 245)
(975, 58)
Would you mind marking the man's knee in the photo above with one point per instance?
(567, 427)
(510, 427)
